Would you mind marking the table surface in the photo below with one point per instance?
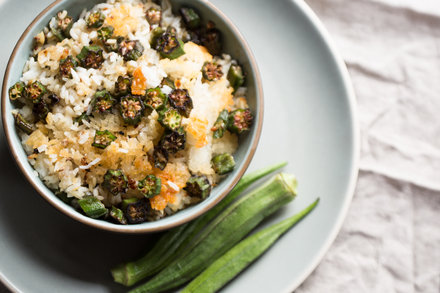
(390, 241)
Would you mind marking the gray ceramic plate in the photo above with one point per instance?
(309, 121)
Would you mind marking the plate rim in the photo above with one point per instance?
(353, 110)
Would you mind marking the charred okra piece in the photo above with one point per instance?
(60, 25)
(137, 212)
(105, 33)
(155, 99)
(102, 102)
(212, 71)
(123, 86)
(115, 181)
(39, 40)
(173, 141)
(153, 15)
(64, 23)
(220, 124)
(118, 215)
(168, 82)
(95, 19)
(239, 120)
(211, 39)
(150, 186)
(52, 99)
(35, 91)
(22, 124)
(160, 158)
(82, 117)
(169, 46)
(155, 35)
(103, 139)
(90, 57)
(181, 101)
(235, 76)
(112, 45)
(40, 110)
(170, 118)
(198, 186)
(131, 109)
(92, 207)
(223, 163)
(66, 65)
(190, 17)
(131, 50)
(17, 91)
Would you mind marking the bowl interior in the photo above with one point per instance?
(233, 44)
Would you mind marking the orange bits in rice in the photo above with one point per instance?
(166, 195)
(198, 129)
(122, 20)
(139, 85)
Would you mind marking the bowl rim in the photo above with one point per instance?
(135, 229)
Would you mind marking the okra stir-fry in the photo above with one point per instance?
(130, 113)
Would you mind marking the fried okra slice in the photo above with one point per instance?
(115, 182)
(212, 71)
(35, 91)
(168, 82)
(239, 121)
(190, 17)
(198, 186)
(170, 118)
(160, 158)
(112, 44)
(138, 211)
(130, 50)
(52, 99)
(123, 86)
(153, 15)
(211, 39)
(118, 216)
(223, 163)
(173, 141)
(102, 102)
(131, 109)
(105, 33)
(90, 57)
(22, 124)
(60, 25)
(103, 138)
(219, 126)
(150, 186)
(66, 65)
(95, 19)
(155, 99)
(64, 23)
(181, 101)
(92, 207)
(17, 91)
(40, 110)
(169, 46)
(235, 76)
(155, 34)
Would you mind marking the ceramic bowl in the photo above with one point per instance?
(233, 44)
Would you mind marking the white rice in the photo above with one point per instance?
(65, 158)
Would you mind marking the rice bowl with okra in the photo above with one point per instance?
(130, 113)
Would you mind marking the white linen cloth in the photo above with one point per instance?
(390, 241)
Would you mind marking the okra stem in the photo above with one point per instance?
(180, 237)
(240, 256)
